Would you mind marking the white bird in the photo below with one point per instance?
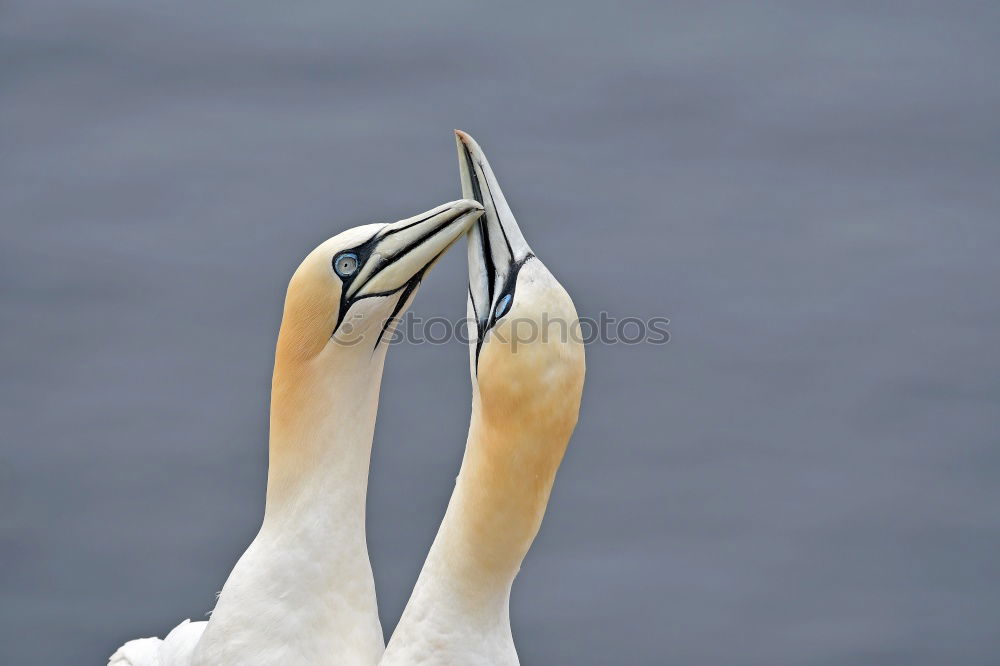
(527, 371)
(303, 592)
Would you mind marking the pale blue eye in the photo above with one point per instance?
(502, 306)
(345, 264)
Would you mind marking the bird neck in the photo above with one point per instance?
(494, 513)
(500, 497)
(321, 429)
(303, 591)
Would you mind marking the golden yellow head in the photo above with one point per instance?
(531, 362)
(346, 293)
(526, 358)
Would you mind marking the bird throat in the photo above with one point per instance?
(303, 591)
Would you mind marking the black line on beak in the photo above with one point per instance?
(410, 287)
(477, 194)
(411, 224)
(506, 240)
(508, 289)
(364, 252)
(473, 301)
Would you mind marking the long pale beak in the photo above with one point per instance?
(497, 249)
(397, 257)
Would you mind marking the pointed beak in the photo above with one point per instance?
(406, 249)
(396, 258)
(497, 248)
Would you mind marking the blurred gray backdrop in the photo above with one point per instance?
(806, 474)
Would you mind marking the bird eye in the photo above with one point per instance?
(345, 264)
(502, 306)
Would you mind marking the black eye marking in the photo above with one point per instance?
(346, 264)
(503, 306)
(362, 254)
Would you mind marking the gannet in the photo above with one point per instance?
(303, 592)
(527, 372)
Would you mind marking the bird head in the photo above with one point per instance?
(345, 296)
(526, 358)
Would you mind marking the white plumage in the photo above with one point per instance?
(303, 592)
(526, 390)
(174, 650)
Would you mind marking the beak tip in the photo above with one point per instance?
(470, 205)
(466, 141)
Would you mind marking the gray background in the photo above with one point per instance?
(808, 472)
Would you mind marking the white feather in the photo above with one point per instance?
(174, 650)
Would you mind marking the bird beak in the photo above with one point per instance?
(397, 257)
(497, 248)
(406, 249)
